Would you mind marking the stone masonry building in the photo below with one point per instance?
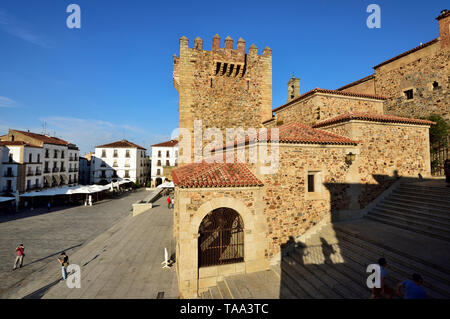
(329, 154)
(416, 82)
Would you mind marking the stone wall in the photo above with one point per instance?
(289, 209)
(320, 107)
(364, 87)
(386, 150)
(416, 71)
(224, 88)
(191, 206)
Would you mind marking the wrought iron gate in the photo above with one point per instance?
(221, 239)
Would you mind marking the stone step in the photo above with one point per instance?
(418, 204)
(397, 271)
(338, 282)
(351, 270)
(440, 214)
(413, 216)
(320, 284)
(285, 291)
(363, 259)
(397, 248)
(421, 199)
(299, 282)
(427, 189)
(422, 228)
(215, 293)
(206, 295)
(223, 289)
(422, 192)
(300, 288)
(424, 269)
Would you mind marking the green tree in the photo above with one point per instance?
(438, 139)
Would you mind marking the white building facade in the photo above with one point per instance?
(119, 160)
(164, 159)
(33, 161)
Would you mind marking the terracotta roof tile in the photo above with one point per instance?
(297, 133)
(18, 143)
(121, 144)
(372, 117)
(170, 143)
(44, 138)
(204, 175)
(318, 90)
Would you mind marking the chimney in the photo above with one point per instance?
(293, 88)
(444, 28)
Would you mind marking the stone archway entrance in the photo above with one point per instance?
(221, 238)
(158, 181)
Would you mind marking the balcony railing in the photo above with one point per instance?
(9, 175)
(55, 169)
(46, 170)
(63, 169)
(30, 174)
(38, 173)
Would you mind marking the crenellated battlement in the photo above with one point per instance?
(227, 49)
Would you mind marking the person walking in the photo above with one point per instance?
(172, 202)
(19, 257)
(413, 289)
(168, 202)
(64, 261)
(385, 290)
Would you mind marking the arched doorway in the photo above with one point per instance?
(221, 239)
(158, 181)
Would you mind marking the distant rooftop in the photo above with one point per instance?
(170, 143)
(121, 144)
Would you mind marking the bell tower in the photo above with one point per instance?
(293, 88)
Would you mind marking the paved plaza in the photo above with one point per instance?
(114, 250)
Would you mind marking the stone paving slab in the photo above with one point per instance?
(45, 234)
(123, 262)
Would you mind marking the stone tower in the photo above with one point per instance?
(224, 87)
(293, 88)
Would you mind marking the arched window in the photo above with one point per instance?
(221, 239)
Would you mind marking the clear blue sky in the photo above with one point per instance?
(112, 78)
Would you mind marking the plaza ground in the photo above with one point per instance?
(118, 254)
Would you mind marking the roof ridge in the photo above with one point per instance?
(328, 91)
(371, 117)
